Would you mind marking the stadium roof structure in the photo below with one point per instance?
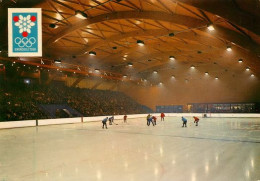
(210, 36)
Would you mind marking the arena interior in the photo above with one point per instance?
(129, 90)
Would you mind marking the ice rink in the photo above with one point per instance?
(219, 149)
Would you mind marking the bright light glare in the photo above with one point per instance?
(211, 28)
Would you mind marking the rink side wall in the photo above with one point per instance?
(42, 122)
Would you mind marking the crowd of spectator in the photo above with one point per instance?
(19, 101)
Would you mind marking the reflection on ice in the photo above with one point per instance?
(134, 151)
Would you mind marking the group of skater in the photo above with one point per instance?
(111, 121)
(150, 119)
(184, 121)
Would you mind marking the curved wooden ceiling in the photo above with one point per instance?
(113, 28)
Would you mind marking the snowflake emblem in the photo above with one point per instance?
(24, 24)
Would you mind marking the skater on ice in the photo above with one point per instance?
(184, 120)
(104, 121)
(196, 120)
(149, 120)
(162, 116)
(111, 120)
(154, 120)
(125, 118)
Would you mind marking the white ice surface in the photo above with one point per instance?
(219, 149)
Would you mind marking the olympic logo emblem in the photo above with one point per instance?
(25, 42)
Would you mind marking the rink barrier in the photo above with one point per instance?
(17, 124)
(42, 122)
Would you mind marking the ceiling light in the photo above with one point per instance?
(81, 14)
(138, 22)
(247, 69)
(57, 61)
(171, 34)
(160, 83)
(216, 78)
(27, 81)
(125, 76)
(252, 75)
(211, 27)
(240, 60)
(130, 64)
(171, 57)
(140, 42)
(53, 26)
(173, 76)
(97, 70)
(206, 73)
(155, 72)
(92, 53)
(192, 67)
(229, 48)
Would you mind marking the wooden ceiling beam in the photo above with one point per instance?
(51, 11)
(152, 4)
(129, 21)
(228, 11)
(133, 5)
(192, 12)
(125, 5)
(94, 29)
(154, 15)
(104, 51)
(104, 6)
(151, 32)
(64, 5)
(52, 18)
(83, 5)
(190, 22)
(111, 27)
(165, 7)
(161, 25)
(73, 41)
(93, 34)
(122, 25)
(52, 5)
(103, 74)
(205, 16)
